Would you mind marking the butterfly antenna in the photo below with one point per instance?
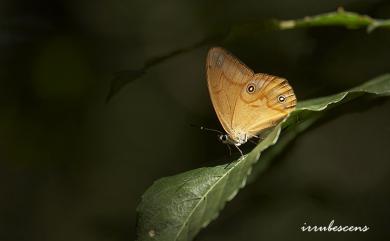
(202, 128)
(229, 150)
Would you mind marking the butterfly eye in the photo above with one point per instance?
(281, 98)
(223, 138)
(251, 88)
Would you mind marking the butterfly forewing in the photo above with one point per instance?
(226, 75)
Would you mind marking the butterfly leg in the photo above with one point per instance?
(253, 142)
(229, 150)
(242, 155)
(239, 150)
(230, 154)
(259, 137)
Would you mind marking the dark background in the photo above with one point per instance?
(73, 167)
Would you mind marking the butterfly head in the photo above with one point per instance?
(238, 141)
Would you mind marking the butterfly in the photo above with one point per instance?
(245, 102)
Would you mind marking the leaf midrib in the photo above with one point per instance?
(203, 196)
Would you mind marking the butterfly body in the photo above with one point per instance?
(245, 102)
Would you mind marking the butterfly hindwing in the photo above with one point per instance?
(270, 101)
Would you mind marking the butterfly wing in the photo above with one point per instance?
(226, 76)
(264, 101)
(246, 103)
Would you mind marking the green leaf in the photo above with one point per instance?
(337, 18)
(379, 86)
(178, 207)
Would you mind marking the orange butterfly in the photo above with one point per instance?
(246, 103)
